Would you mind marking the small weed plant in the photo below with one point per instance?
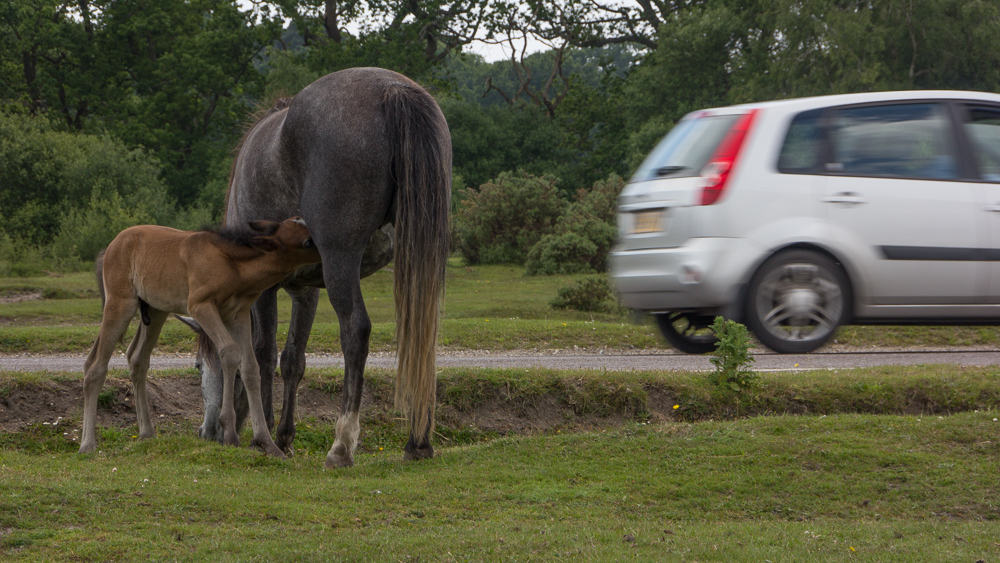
(732, 357)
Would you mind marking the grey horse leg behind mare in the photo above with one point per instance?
(210, 367)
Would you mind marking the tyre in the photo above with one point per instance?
(796, 301)
(688, 332)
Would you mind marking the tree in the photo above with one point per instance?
(169, 75)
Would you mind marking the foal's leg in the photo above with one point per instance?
(117, 315)
(265, 347)
(138, 361)
(293, 359)
(229, 357)
(250, 373)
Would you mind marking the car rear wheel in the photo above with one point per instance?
(796, 301)
(688, 332)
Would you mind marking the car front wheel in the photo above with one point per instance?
(688, 332)
(796, 301)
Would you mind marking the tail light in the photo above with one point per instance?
(716, 172)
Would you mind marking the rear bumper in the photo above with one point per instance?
(704, 274)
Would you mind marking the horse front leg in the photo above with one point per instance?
(265, 348)
(250, 374)
(293, 360)
(230, 357)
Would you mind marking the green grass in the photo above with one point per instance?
(486, 307)
(614, 471)
(834, 488)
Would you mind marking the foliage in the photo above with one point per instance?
(732, 357)
(590, 293)
(167, 75)
(582, 236)
(70, 194)
(500, 222)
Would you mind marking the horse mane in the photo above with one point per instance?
(264, 110)
(237, 235)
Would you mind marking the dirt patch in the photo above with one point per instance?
(178, 399)
(19, 297)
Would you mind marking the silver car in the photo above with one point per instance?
(798, 216)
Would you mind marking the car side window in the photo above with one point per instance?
(983, 130)
(800, 153)
(894, 141)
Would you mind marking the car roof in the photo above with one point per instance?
(802, 104)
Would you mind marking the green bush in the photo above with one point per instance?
(583, 235)
(565, 253)
(590, 294)
(85, 232)
(503, 219)
(65, 193)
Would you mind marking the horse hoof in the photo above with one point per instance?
(86, 449)
(417, 454)
(338, 457)
(268, 449)
(231, 439)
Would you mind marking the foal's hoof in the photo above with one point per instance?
(338, 457)
(269, 449)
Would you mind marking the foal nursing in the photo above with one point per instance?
(213, 276)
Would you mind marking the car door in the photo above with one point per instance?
(893, 199)
(981, 127)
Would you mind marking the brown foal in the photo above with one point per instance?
(213, 276)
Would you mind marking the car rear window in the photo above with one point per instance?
(983, 128)
(800, 153)
(686, 149)
(910, 140)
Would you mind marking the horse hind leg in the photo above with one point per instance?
(138, 360)
(117, 315)
(344, 289)
(293, 360)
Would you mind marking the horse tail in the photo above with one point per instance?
(421, 167)
(99, 271)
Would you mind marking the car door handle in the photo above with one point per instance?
(992, 207)
(849, 198)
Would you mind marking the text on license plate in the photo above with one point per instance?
(649, 221)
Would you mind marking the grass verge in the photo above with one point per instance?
(607, 469)
(843, 487)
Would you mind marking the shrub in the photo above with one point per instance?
(503, 219)
(586, 232)
(53, 183)
(590, 294)
(566, 253)
(732, 357)
(85, 232)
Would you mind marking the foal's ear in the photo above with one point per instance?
(265, 244)
(266, 227)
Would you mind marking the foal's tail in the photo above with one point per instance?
(422, 170)
(99, 270)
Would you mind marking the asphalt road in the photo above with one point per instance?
(569, 359)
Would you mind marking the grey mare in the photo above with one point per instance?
(364, 156)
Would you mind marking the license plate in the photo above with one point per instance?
(650, 221)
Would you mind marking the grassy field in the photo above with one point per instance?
(883, 464)
(614, 471)
(486, 307)
(834, 488)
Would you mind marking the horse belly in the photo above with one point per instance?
(163, 291)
